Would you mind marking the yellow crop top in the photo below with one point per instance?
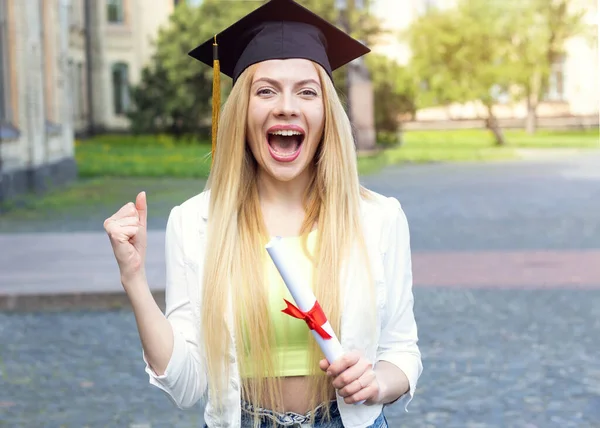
(292, 335)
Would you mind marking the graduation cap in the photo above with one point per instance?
(279, 29)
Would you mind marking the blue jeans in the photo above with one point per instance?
(295, 420)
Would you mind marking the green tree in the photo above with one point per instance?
(175, 92)
(541, 28)
(394, 91)
(464, 54)
(358, 21)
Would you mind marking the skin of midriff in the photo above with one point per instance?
(295, 394)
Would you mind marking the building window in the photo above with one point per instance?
(556, 80)
(120, 81)
(115, 11)
(5, 96)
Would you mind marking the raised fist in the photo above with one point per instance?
(128, 236)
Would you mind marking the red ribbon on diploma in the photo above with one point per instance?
(315, 318)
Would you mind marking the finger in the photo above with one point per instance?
(113, 226)
(324, 364)
(127, 221)
(361, 382)
(351, 374)
(127, 210)
(350, 389)
(142, 207)
(123, 234)
(347, 360)
(368, 393)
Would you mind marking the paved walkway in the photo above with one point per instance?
(492, 358)
(79, 263)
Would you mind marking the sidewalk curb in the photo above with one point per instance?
(12, 303)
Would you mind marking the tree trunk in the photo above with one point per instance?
(492, 124)
(533, 99)
(400, 134)
(531, 120)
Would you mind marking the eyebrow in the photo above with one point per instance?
(277, 83)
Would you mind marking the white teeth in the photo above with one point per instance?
(285, 133)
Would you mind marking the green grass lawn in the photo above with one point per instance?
(148, 156)
(144, 156)
(85, 204)
(515, 138)
(474, 145)
(113, 169)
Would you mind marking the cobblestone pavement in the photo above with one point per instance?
(492, 358)
(499, 206)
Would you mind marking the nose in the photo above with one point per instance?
(287, 105)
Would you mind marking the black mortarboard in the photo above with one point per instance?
(279, 29)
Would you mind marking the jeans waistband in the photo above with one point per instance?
(290, 418)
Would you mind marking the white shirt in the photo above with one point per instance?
(388, 243)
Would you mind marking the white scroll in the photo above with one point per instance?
(303, 297)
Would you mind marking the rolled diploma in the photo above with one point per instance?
(303, 297)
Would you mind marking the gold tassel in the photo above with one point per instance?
(216, 97)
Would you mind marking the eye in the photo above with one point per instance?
(309, 92)
(265, 91)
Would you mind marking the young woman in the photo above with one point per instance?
(284, 165)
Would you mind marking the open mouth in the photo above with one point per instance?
(285, 144)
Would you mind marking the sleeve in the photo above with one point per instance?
(184, 380)
(398, 342)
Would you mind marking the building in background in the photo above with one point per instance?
(574, 86)
(65, 68)
(36, 134)
(110, 41)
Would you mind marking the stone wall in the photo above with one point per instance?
(40, 154)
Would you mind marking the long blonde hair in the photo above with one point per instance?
(237, 236)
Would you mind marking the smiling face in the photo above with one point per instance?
(285, 117)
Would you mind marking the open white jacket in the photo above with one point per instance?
(388, 243)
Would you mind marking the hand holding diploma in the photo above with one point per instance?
(354, 378)
(353, 375)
